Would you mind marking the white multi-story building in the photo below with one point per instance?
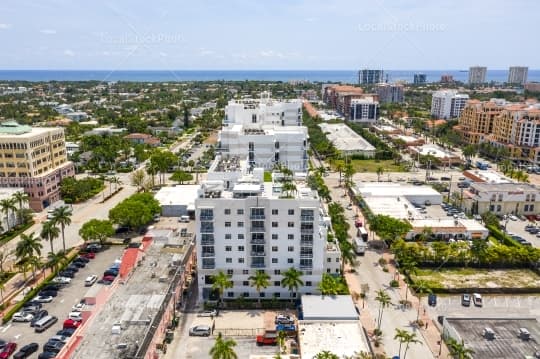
(518, 75)
(477, 75)
(364, 110)
(447, 104)
(245, 224)
(265, 132)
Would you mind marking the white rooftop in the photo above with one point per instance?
(406, 138)
(344, 339)
(434, 150)
(328, 307)
(390, 189)
(177, 195)
(344, 138)
(490, 176)
(467, 224)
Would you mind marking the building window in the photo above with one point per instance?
(277, 283)
(277, 271)
(240, 235)
(245, 295)
(240, 260)
(274, 224)
(308, 283)
(328, 270)
(498, 208)
(290, 260)
(262, 294)
(230, 272)
(240, 211)
(274, 248)
(277, 294)
(291, 212)
(274, 260)
(228, 248)
(245, 271)
(228, 260)
(329, 260)
(290, 224)
(240, 224)
(227, 236)
(230, 294)
(227, 224)
(274, 236)
(290, 249)
(227, 211)
(240, 248)
(337, 260)
(275, 212)
(245, 283)
(290, 236)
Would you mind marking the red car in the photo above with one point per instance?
(89, 255)
(71, 324)
(8, 350)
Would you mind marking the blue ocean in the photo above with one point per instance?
(343, 76)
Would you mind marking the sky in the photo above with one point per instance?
(268, 34)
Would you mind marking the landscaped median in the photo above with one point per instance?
(32, 293)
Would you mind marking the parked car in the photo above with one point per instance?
(200, 331)
(22, 317)
(88, 255)
(79, 306)
(72, 268)
(52, 286)
(90, 280)
(465, 300)
(8, 350)
(61, 280)
(75, 316)
(70, 323)
(283, 319)
(78, 264)
(67, 274)
(66, 332)
(477, 299)
(110, 273)
(59, 338)
(53, 346)
(432, 299)
(208, 313)
(512, 217)
(26, 351)
(48, 293)
(32, 309)
(94, 247)
(44, 299)
(81, 259)
(268, 338)
(38, 316)
(47, 355)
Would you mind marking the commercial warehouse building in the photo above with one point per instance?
(346, 140)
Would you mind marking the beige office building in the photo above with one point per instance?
(34, 158)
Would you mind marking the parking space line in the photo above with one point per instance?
(4, 329)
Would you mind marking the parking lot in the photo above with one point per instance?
(69, 295)
(241, 325)
(518, 228)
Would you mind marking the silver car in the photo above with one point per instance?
(200, 331)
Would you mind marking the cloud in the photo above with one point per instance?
(5, 26)
(271, 53)
(48, 31)
(163, 54)
(311, 19)
(206, 52)
(68, 52)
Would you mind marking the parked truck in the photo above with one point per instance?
(267, 338)
(481, 165)
(359, 246)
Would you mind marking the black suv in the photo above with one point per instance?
(26, 351)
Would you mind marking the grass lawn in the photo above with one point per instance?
(372, 165)
(478, 278)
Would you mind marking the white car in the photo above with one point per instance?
(90, 280)
(77, 316)
(208, 313)
(22, 317)
(61, 280)
(78, 307)
(44, 299)
(512, 217)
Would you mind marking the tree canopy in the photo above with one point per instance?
(135, 211)
(96, 230)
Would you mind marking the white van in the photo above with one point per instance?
(184, 219)
(45, 323)
(90, 280)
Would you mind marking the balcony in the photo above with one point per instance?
(208, 254)
(258, 265)
(257, 216)
(308, 243)
(257, 241)
(207, 242)
(257, 229)
(207, 217)
(306, 231)
(306, 266)
(208, 266)
(307, 218)
(258, 254)
(207, 229)
(306, 255)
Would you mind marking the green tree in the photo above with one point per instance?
(49, 232)
(384, 301)
(21, 197)
(28, 246)
(331, 285)
(62, 216)
(220, 282)
(7, 205)
(326, 355)
(408, 338)
(96, 230)
(135, 211)
(54, 260)
(421, 287)
(458, 350)
(379, 171)
(260, 281)
(490, 219)
(292, 280)
(223, 348)
(181, 177)
(138, 178)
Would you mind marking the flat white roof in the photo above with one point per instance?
(344, 138)
(434, 150)
(341, 338)
(390, 206)
(490, 176)
(328, 307)
(181, 195)
(406, 138)
(389, 189)
(467, 224)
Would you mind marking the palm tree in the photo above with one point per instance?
(223, 348)
(7, 205)
(116, 181)
(289, 188)
(458, 350)
(409, 267)
(28, 246)
(35, 263)
(384, 301)
(221, 281)
(379, 171)
(292, 281)
(408, 338)
(152, 169)
(281, 336)
(331, 285)
(260, 281)
(400, 336)
(21, 197)
(326, 355)
(49, 232)
(62, 216)
(421, 288)
(55, 259)
(348, 255)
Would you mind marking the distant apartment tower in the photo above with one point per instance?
(476, 119)
(518, 75)
(389, 93)
(366, 77)
(364, 110)
(419, 79)
(447, 79)
(477, 75)
(532, 86)
(34, 158)
(446, 104)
